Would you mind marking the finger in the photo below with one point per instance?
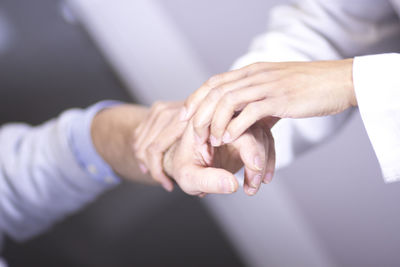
(158, 174)
(195, 180)
(231, 102)
(247, 117)
(159, 124)
(253, 154)
(155, 153)
(149, 123)
(158, 109)
(271, 159)
(250, 178)
(143, 168)
(196, 98)
(249, 91)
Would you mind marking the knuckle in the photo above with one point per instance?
(183, 178)
(254, 66)
(154, 148)
(216, 129)
(214, 80)
(158, 106)
(264, 75)
(216, 93)
(229, 99)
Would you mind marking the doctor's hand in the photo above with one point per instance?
(200, 168)
(156, 133)
(229, 103)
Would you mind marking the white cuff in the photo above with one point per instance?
(377, 86)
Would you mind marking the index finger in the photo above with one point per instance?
(194, 100)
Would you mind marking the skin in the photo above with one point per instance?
(200, 164)
(228, 104)
(111, 132)
(155, 135)
(198, 170)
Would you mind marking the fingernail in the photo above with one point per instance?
(142, 168)
(252, 191)
(268, 177)
(226, 138)
(257, 163)
(183, 115)
(256, 181)
(226, 185)
(213, 141)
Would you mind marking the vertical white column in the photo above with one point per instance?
(156, 62)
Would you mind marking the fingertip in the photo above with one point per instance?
(256, 181)
(268, 177)
(214, 141)
(226, 138)
(202, 195)
(168, 186)
(258, 163)
(143, 168)
(228, 185)
(252, 191)
(235, 184)
(249, 190)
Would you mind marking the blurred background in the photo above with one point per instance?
(329, 208)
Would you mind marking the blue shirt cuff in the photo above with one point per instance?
(84, 150)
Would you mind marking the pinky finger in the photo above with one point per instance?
(270, 168)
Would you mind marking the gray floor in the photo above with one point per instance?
(49, 66)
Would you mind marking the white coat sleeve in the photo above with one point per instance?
(377, 86)
(320, 30)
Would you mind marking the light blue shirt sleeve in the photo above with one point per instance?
(49, 171)
(83, 148)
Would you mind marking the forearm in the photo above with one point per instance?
(325, 30)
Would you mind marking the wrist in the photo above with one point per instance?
(84, 149)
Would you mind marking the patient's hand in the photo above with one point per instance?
(200, 168)
(155, 135)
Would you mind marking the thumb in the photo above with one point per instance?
(197, 179)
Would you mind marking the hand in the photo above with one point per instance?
(200, 168)
(265, 90)
(158, 132)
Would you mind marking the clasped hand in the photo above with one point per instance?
(226, 123)
(167, 147)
